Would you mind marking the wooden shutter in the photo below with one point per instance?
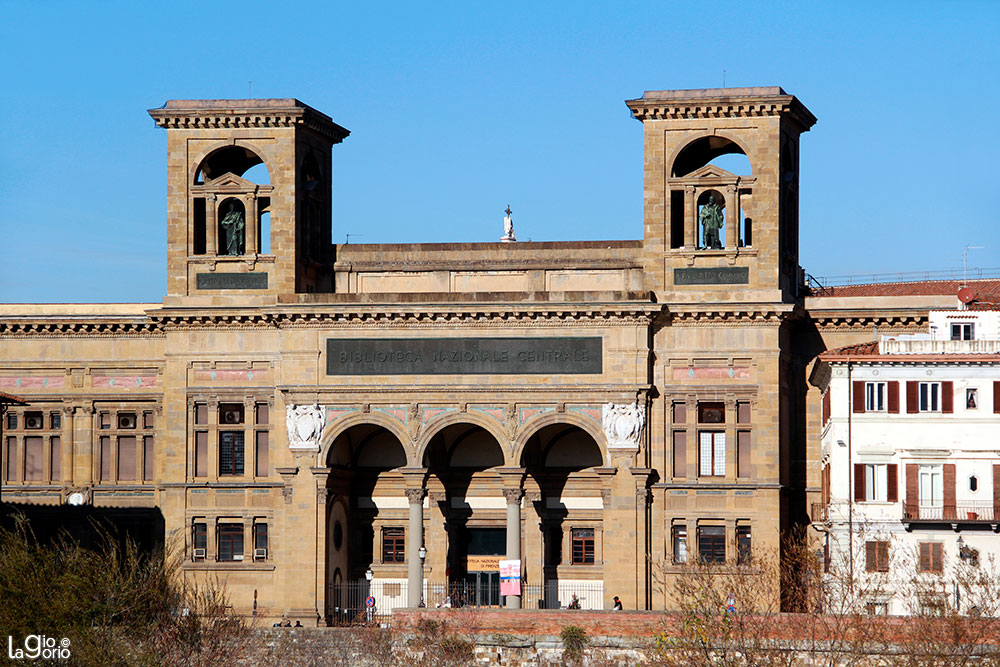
(826, 407)
(996, 492)
(948, 397)
(871, 556)
(912, 391)
(912, 491)
(883, 556)
(858, 396)
(894, 396)
(859, 482)
(937, 561)
(948, 483)
(996, 397)
(925, 556)
(892, 483)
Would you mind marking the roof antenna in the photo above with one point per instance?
(965, 263)
(723, 78)
(250, 90)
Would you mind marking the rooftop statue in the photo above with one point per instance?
(508, 226)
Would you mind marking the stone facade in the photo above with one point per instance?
(457, 390)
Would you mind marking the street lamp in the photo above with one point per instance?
(422, 554)
(369, 575)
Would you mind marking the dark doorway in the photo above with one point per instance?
(479, 550)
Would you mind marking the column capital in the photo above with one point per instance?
(415, 496)
(513, 496)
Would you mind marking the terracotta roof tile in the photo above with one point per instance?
(986, 290)
(868, 349)
(10, 398)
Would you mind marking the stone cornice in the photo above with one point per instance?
(229, 114)
(860, 319)
(59, 326)
(735, 315)
(720, 103)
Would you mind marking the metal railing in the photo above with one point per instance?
(820, 513)
(823, 282)
(963, 512)
(346, 602)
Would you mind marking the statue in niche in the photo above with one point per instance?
(711, 223)
(233, 226)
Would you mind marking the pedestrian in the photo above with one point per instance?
(618, 604)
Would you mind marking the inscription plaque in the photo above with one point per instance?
(722, 275)
(232, 281)
(463, 356)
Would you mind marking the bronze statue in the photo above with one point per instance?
(711, 221)
(233, 226)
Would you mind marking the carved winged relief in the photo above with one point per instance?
(305, 426)
(623, 424)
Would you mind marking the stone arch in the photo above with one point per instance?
(260, 156)
(587, 425)
(688, 156)
(334, 429)
(438, 424)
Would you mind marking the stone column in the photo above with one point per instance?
(690, 218)
(513, 498)
(732, 218)
(414, 540)
(211, 225)
(250, 239)
(83, 445)
(66, 442)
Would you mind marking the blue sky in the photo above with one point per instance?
(458, 109)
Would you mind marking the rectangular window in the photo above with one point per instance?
(743, 545)
(971, 398)
(743, 454)
(679, 542)
(680, 413)
(148, 459)
(877, 608)
(147, 420)
(261, 455)
(201, 454)
(712, 454)
(55, 458)
(931, 486)
(583, 546)
(230, 541)
(200, 414)
(680, 453)
(231, 453)
(962, 330)
(199, 537)
(33, 420)
(262, 413)
(876, 482)
(260, 541)
(931, 557)
(126, 458)
(12, 459)
(712, 544)
(393, 545)
(876, 395)
(105, 419)
(711, 413)
(105, 458)
(876, 556)
(743, 413)
(55, 420)
(11, 421)
(930, 396)
(126, 420)
(34, 458)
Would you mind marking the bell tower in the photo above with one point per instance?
(710, 233)
(249, 193)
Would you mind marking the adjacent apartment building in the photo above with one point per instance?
(910, 459)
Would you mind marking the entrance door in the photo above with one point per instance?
(484, 547)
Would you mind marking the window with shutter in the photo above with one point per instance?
(932, 557)
(876, 556)
(893, 398)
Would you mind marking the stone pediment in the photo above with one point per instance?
(230, 182)
(711, 171)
